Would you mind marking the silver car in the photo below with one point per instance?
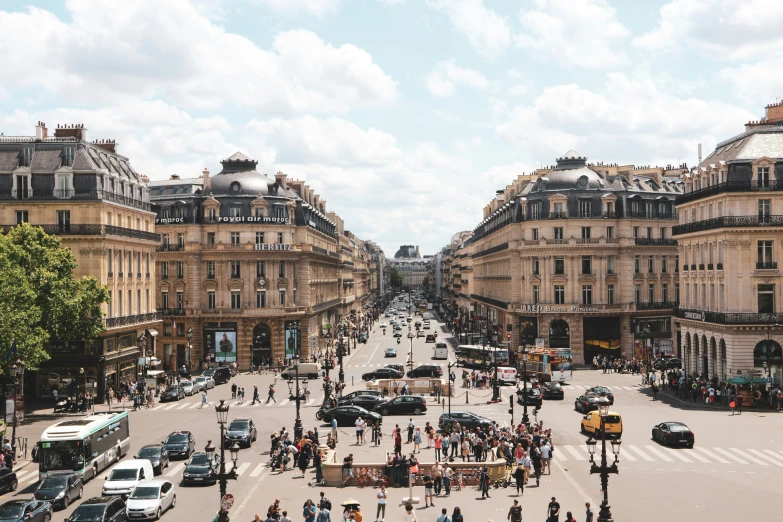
(204, 382)
(189, 387)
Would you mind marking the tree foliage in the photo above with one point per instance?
(395, 279)
(40, 299)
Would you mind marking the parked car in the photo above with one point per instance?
(552, 390)
(419, 333)
(426, 370)
(100, 509)
(243, 431)
(172, 393)
(368, 402)
(204, 383)
(531, 397)
(8, 480)
(156, 454)
(150, 499)
(348, 396)
(601, 391)
(382, 373)
(189, 387)
(399, 367)
(668, 364)
(180, 444)
(390, 352)
(59, 490)
(200, 469)
(402, 405)
(363, 337)
(347, 415)
(591, 424)
(465, 419)
(673, 434)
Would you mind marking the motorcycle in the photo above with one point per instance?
(398, 340)
(67, 405)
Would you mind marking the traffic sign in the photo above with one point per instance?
(227, 501)
(508, 336)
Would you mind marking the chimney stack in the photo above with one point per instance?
(74, 130)
(280, 178)
(699, 153)
(107, 145)
(41, 132)
(174, 177)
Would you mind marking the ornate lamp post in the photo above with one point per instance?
(16, 369)
(604, 515)
(190, 349)
(298, 431)
(340, 350)
(523, 354)
(223, 476)
(142, 344)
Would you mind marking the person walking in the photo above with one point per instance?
(519, 479)
(234, 390)
(410, 513)
(515, 513)
(334, 429)
(588, 513)
(484, 482)
(447, 474)
(569, 517)
(359, 430)
(411, 426)
(417, 441)
(456, 515)
(382, 495)
(553, 511)
(437, 474)
(204, 399)
(323, 515)
(271, 394)
(443, 516)
(309, 511)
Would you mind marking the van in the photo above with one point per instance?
(306, 371)
(125, 476)
(591, 424)
(441, 351)
(221, 374)
(507, 375)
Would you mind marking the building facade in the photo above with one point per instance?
(578, 255)
(730, 240)
(92, 198)
(254, 267)
(412, 271)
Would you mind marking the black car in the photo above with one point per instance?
(8, 480)
(402, 405)
(601, 391)
(374, 393)
(426, 370)
(397, 333)
(59, 490)
(531, 397)
(465, 419)
(673, 434)
(172, 393)
(368, 402)
(347, 415)
(26, 511)
(201, 469)
(382, 373)
(156, 454)
(429, 339)
(243, 431)
(100, 509)
(552, 390)
(585, 403)
(231, 370)
(222, 374)
(180, 444)
(667, 364)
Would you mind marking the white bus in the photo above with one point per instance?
(85, 446)
(482, 357)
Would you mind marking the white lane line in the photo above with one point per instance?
(627, 456)
(194, 405)
(712, 455)
(576, 454)
(284, 402)
(748, 456)
(695, 455)
(159, 406)
(729, 455)
(170, 406)
(21, 474)
(657, 453)
(765, 457)
(250, 495)
(183, 406)
(677, 454)
(176, 469)
(27, 480)
(242, 468)
(770, 452)
(641, 453)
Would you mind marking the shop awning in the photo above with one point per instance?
(152, 331)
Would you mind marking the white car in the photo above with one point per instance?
(205, 382)
(383, 325)
(390, 352)
(150, 499)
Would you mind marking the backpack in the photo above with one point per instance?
(326, 503)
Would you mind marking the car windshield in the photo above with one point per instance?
(172, 388)
(554, 386)
(54, 483)
(678, 427)
(11, 510)
(209, 373)
(199, 460)
(201, 379)
(178, 438)
(88, 513)
(123, 474)
(185, 384)
(145, 492)
(238, 426)
(149, 452)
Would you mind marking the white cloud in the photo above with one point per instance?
(488, 32)
(105, 51)
(313, 7)
(447, 75)
(632, 119)
(718, 29)
(582, 33)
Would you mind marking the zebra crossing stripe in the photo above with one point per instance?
(170, 406)
(765, 457)
(183, 406)
(195, 405)
(695, 455)
(176, 469)
(159, 406)
(576, 454)
(658, 454)
(712, 455)
(770, 452)
(21, 474)
(257, 470)
(748, 456)
(627, 456)
(29, 479)
(284, 402)
(242, 468)
(677, 454)
(729, 455)
(641, 453)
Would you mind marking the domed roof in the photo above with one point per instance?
(571, 172)
(239, 177)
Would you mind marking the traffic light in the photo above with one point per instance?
(511, 409)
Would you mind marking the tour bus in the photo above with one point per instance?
(84, 446)
(548, 364)
(481, 356)
(440, 351)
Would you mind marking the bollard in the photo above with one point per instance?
(466, 397)
(351, 380)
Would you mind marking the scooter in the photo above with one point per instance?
(398, 340)
(64, 406)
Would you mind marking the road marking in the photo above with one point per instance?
(176, 469)
(170, 406)
(576, 454)
(194, 406)
(250, 494)
(712, 455)
(183, 406)
(729, 455)
(242, 468)
(770, 452)
(765, 457)
(695, 455)
(657, 453)
(749, 457)
(21, 474)
(641, 453)
(676, 453)
(284, 402)
(159, 406)
(258, 470)
(627, 456)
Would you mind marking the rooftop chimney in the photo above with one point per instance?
(74, 130)
(107, 145)
(41, 132)
(774, 112)
(280, 178)
(174, 177)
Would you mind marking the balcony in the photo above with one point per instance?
(72, 195)
(92, 230)
(729, 317)
(651, 241)
(587, 241)
(130, 320)
(119, 275)
(171, 311)
(729, 222)
(729, 186)
(492, 250)
(766, 265)
(111, 274)
(556, 241)
(168, 247)
(641, 214)
(558, 215)
(656, 305)
(210, 276)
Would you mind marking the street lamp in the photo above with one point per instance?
(142, 344)
(15, 369)
(222, 415)
(525, 418)
(604, 515)
(340, 350)
(298, 431)
(190, 349)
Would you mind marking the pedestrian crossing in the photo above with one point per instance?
(234, 403)
(27, 476)
(241, 469)
(678, 456)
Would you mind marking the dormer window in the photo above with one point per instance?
(27, 156)
(68, 154)
(235, 211)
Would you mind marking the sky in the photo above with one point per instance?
(404, 115)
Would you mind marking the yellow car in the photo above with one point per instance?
(591, 424)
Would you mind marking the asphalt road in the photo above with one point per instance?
(732, 473)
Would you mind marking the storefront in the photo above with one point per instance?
(601, 337)
(262, 344)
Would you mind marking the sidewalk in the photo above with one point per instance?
(669, 397)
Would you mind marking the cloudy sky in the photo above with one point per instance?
(405, 115)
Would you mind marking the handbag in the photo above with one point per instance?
(732, 404)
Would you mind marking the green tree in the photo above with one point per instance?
(395, 279)
(41, 299)
(426, 282)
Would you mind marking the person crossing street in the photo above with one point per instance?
(204, 399)
(271, 394)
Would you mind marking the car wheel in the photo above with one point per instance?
(385, 411)
(319, 415)
(81, 492)
(66, 502)
(14, 484)
(173, 502)
(417, 411)
(47, 517)
(158, 514)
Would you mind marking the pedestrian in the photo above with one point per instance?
(381, 495)
(334, 428)
(428, 490)
(569, 517)
(309, 511)
(417, 441)
(546, 458)
(588, 513)
(437, 475)
(285, 517)
(515, 513)
(445, 443)
(519, 479)
(234, 390)
(447, 474)
(411, 426)
(410, 513)
(484, 482)
(359, 430)
(323, 515)
(203, 399)
(456, 515)
(443, 516)
(553, 511)
(438, 446)
(271, 394)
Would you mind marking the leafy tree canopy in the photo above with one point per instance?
(395, 279)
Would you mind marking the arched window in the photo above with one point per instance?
(262, 344)
(559, 334)
(723, 367)
(713, 357)
(767, 352)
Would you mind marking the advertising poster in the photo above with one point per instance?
(220, 342)
(292, 341)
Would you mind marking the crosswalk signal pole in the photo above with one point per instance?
(511, 409)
